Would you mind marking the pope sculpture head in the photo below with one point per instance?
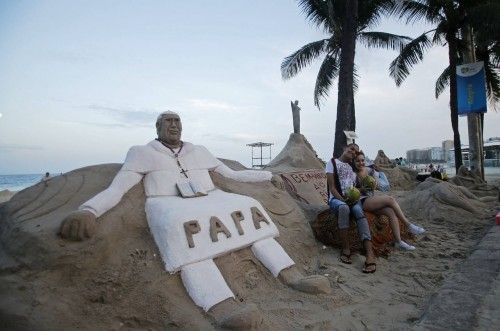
(169, 128)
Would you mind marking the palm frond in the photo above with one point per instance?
(485, 19)
(316, 11)
(439, 34)
(495, 60)
(495, 54)
(442, 82)
(409, 55)
(487, 47)
(292, 64)
(486, 52)
(371, 12)
(492, 84)
(415, 10)
(328, 71)
(383, 40)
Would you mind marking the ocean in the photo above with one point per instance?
(18, 182)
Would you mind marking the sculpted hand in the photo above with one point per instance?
(278, 182)
(78, 225)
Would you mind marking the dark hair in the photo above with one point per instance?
(353, 165)
(343, 147)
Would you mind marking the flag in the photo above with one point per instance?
(471, 88)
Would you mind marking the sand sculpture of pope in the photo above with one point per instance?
(191, 231)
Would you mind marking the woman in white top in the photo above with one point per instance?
(384, 205)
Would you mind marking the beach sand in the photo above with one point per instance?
(116, 280)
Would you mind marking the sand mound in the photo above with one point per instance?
(401, 178)
(474, 183)
(440, 200)
(6, 195)
(298, 154)
(117, 278)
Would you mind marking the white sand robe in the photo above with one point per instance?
(190, 232)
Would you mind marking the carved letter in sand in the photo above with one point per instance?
(258, 217)
(217, 226)
(191, 228)
(237, 218)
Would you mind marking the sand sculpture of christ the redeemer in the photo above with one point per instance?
(192, 222)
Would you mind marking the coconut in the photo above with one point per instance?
(369, 183)
(352, 195)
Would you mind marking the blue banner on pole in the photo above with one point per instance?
(471, 88)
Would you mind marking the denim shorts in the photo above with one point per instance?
(335, 204)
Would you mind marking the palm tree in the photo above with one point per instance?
(346, 22)
(449, 17)
(484, 18)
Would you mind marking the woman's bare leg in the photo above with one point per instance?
(397, 210)
(393, 222)
(385, 201)
(384, 205)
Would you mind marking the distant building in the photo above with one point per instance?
(425, 155)
(491, 153)
(447, 146)
(432, 154)
(437, 154)
(418, 155)
(491, 149)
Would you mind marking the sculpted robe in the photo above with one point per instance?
(167, 214)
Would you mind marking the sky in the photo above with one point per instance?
(82, 81)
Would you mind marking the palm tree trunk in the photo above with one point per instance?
(345, 103)
(452, 55)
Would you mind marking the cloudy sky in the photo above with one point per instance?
(82, 81)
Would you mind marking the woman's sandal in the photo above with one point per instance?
(345, 258)
(367, 270)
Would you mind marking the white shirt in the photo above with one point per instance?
(347, 176)
(161, 171)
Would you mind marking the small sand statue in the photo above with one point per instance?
(296, 116)
(383, 160)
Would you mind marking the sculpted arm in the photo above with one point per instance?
(81, 224)
(110, 197)
(243, 175)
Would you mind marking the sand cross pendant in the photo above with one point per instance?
(183, 171)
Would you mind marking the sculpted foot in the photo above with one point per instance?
(230, 314)
(314, 284)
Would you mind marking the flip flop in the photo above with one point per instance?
(344, 258)
(367, 265)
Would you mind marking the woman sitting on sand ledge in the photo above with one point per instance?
(383, 204)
